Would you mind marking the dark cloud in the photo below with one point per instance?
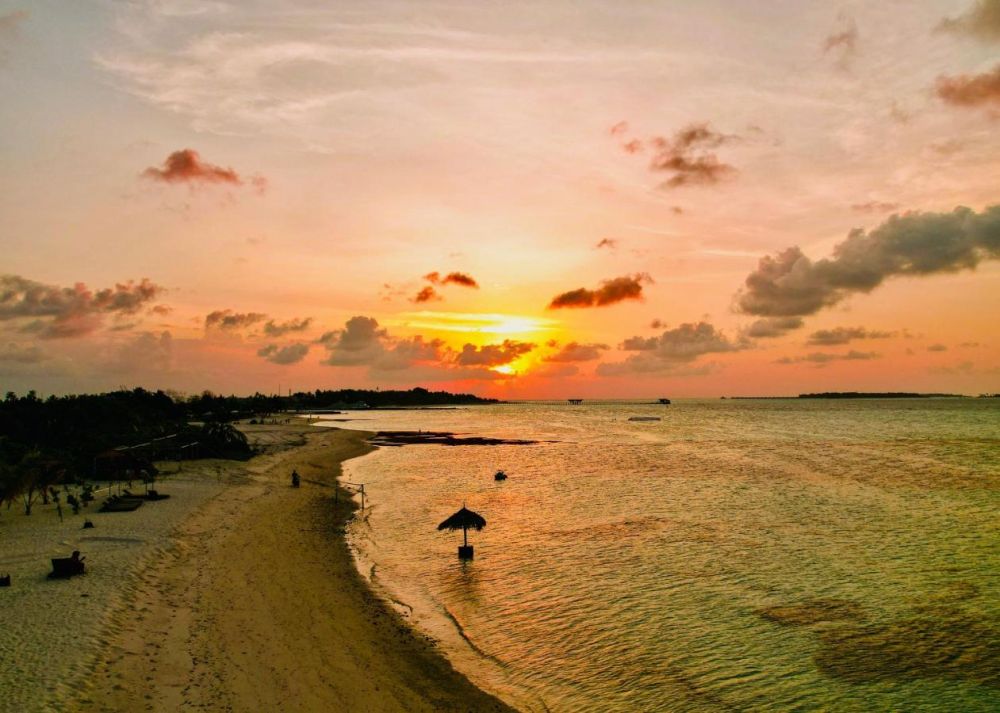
(21, 354)
(460, 278)
(610, 292)
(279, 329)
(789, 284)
(823, 358)
(672, 348)
(937, 348)
(289, 354)
(229, 321)
(874, 207)
(607, 243)
(575, 351)
(493, 354)
(60, 312)
(981, 21)
(970, 90)
(772, 327)
(363, 342)
(360, 342)
(687, 156)
(845, 335)
(186, 166)
(427, 294)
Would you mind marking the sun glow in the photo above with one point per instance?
(507, 325)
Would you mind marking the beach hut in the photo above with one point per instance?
(463, 520)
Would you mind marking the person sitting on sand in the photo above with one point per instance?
(295, 479)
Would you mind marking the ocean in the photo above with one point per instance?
(734, 555)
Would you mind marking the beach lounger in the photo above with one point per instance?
(116, 504)
(63, 567)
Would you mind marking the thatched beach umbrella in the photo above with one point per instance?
(463, 520)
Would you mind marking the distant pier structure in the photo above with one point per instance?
(576, 402)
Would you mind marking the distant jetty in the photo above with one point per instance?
(855, 395)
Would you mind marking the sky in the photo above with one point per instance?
(594, 199)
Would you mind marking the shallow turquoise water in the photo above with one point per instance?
(737, 555)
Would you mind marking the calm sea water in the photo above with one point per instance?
(736, 555)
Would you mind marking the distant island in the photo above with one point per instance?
(856, 395)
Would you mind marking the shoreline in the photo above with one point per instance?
(258, 605)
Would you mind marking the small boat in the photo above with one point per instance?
(500, 475)
(644, 418)
(665, 402)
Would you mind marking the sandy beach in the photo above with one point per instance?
(239, 594)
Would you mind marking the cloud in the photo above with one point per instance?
(844, 335)
(555, 371)
(363, 342)
(674, 347)
(789, 284)
(874, 207)
(427, 294)
(981, 21)
(687, 156)
(404, 353)
(21, 354)
(843, 43)
(289, 354)
(460, 278)
(229, 321)
(688, 159)
(145, 352)
(575, 351)
(937, 348)
(279, 329)
(772, 327)
(360, 342)
(60, 312)
(610, 292)
(493, 354)
(186, 166)
(162, 310)
(821, 359)
(970, 90)
(607, 243)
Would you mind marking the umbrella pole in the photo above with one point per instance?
(465, 536)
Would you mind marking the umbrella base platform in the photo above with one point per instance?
(465, 552)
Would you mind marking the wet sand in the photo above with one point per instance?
(258, 606)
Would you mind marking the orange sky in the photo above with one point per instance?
(581, 194)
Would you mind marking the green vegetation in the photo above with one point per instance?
(69, 439)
